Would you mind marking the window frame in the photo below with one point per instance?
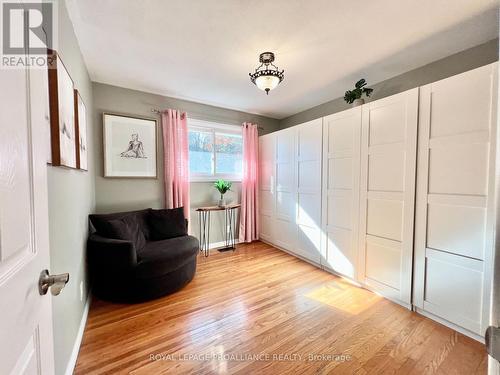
(213, 128)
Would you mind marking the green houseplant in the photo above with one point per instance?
(223, 187)
(354, 96)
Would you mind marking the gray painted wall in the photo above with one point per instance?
(71, 199)
(460, 62)
(128, 194)
(73, 194)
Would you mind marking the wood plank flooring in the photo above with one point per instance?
(261, 311)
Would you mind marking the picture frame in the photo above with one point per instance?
(62, 113)
(130, 146)
(81, 139)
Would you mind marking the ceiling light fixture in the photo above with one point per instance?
(267, 76)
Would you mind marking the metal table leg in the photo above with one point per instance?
(232, 224)
(229, 224)
(204, 218)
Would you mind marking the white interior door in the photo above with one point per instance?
(286, 191)
(455, 208)
(387, 194)
(267, 186)
(26, 345)
(341, 172)
(309, 146)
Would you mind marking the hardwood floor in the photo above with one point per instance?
(262, 311)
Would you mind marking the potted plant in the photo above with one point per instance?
(223, 187)
(354, 96)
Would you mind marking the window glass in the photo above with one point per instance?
(200, 152)
(215, 151)
(228, 153)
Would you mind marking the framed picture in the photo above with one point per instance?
(81, 132)
(130, 145)
(62, 114)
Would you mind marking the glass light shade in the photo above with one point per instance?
(267, 83)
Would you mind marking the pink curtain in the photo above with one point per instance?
(249, 218)
(175, 159)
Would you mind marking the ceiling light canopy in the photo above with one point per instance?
(267, 75)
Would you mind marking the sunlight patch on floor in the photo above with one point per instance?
(342, 296)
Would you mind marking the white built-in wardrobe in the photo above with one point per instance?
(396, 195)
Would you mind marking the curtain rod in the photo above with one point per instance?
(158, 112)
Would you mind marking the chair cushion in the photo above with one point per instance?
(160, 257)
(117, 229)
(167, 223)
(127, 226)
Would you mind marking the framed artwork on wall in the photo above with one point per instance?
(62, 113)
(130, 146)
(81, 133)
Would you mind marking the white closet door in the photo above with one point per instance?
(267, 186)
(308, 172)
(454, 217)
(341, 169)
(387, 196)
(286, 191)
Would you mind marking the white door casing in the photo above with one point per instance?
(454, 228)
(308, 189)
(26, 344)
(387, 194)
(494, 318)
(341, 173)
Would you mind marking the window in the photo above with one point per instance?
(215, 151)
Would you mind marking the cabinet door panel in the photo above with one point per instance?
(286, 234)
(454, 288)
(459, 169)
(309, 175)
(266, 228)
(309, 142)
(457, 229)
(386, 171)
(387, 194)
(266, 202)
(286, 190)
(456, 107)
(454, 222)
(384, 218)
(267, 190)
(383, 263)
(340, 173)
(341, 251)
(387, 119)
(341, 168)
(339, 207)
(284, 176)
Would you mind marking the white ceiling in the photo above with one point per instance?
(203, 50)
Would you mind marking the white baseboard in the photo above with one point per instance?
(292, 253)
(78, 341)
(451, 325)
(216, 245)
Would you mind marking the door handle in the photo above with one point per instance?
(55, 282)
(492, 340)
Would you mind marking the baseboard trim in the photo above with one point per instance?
(216, 245)
(70, 368)
(292, 253)
(451, 325)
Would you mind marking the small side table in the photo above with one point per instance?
(229, 220)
